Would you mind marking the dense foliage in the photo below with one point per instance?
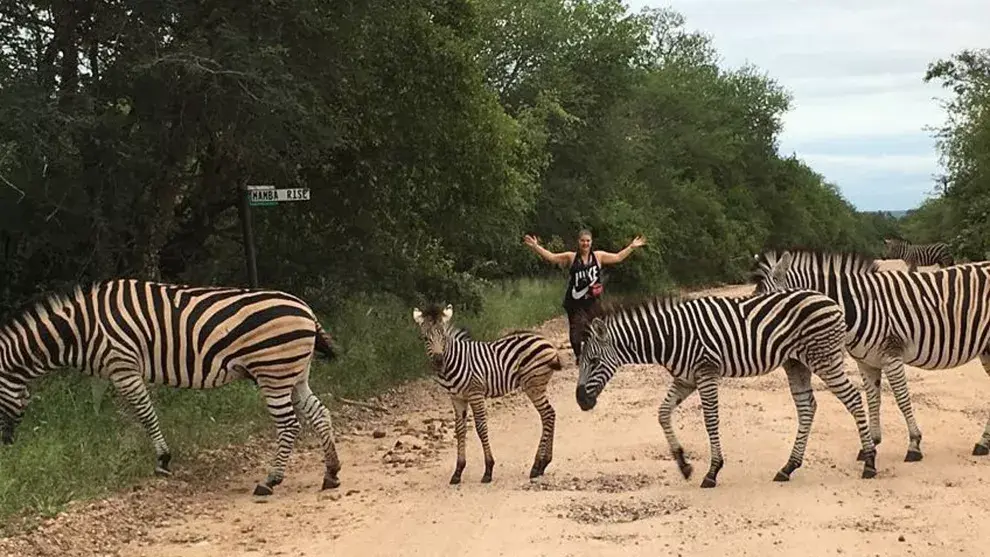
(433, 134)
(960, 212)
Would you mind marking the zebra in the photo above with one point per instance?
(134, 332)
(472, 370)
(931, 320)
(916, 255)
(704, 339)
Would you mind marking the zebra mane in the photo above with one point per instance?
(619, 307)
(433, 313)
(47, 302)
(846, 262)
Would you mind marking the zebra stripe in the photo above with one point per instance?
(703, 339)
(916, 255)
(472, 370)
(931, 320)
(134, 332)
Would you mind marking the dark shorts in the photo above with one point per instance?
(574, 310)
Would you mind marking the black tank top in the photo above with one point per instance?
(582, 278)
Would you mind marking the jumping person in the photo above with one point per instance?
(584, 287)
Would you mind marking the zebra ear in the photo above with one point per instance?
(598, 328)
(448, 312)
(784, 263)
(417, 316)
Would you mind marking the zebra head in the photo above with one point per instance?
(771, 271)
(598, 362)
(892, 248)
(434, 329)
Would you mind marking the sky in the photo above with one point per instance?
(856, 71)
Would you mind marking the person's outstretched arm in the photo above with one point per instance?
(563, 258)
(609, 258)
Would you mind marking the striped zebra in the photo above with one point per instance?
(133, 332)
(472, 370)
(704, 339)
(916, 255)
(931, 320)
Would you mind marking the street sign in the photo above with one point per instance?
(261, 195)
(266, 195)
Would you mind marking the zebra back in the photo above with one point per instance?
(806, 268)
(923, 255)
(183, 336)
(735, 336)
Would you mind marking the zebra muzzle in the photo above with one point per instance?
(586, 401)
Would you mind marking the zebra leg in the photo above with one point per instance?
(481, 426)
(799, 377)
(982, 447)
(544, 452)
(678, 392)
(837, 381)
(312, 409)
(280, 407)
(708, 390)
(135, 391)
(460, 431)
(871, 384)
(898, 383)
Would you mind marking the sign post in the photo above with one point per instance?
(262, 196)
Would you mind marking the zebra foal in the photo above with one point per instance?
(931, 320)
(134, 332)
(472, 371)
(704, 339)
(918, 255)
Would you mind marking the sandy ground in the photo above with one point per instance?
(611, 488)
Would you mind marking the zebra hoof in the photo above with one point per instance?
(535, 472)
(708, 482)
(455, 479)
(913, 456)
(869, 470)
(980, 450)
(486, 479)
(262, 490)
(686, 470)
(782, 477)
(161, 465)
(330, 482)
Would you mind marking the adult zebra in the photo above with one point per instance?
(704, 339)
(930, 320)
(132, 332)
(916, 255)
(472, 370)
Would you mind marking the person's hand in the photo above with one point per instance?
(531, 240)
(638, 241)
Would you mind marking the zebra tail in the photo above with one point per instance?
(555, 362)
(324, 342)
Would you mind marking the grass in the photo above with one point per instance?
(76, 444)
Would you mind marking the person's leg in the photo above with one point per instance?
(574, 330)
(577, 320)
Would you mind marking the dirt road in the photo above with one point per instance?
(612, 486)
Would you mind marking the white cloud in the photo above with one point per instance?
(856, 72)
(908, 164)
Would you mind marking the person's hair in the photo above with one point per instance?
(584, 232)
